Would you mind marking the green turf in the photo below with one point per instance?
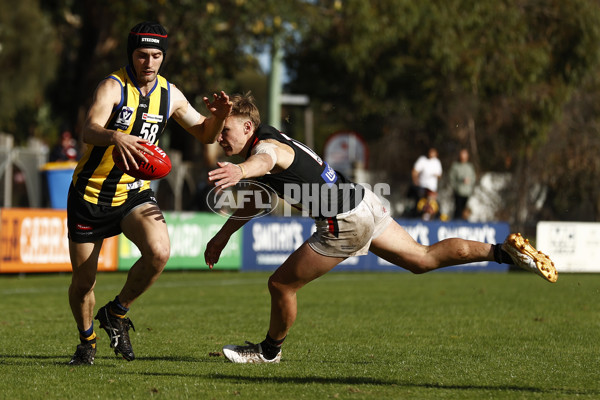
(357, 336)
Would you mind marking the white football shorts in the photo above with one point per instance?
(350, 234)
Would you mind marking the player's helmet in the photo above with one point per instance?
(147, 34)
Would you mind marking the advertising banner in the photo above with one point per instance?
(35, 240)
(573, 246)
(189, 232)
(268, 241)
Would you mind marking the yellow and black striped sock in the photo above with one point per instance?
(88, 339)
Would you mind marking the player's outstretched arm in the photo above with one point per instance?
(265, 157)
(229, 174)
(216, 245)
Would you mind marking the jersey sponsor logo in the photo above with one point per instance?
(329, 175)
(152, 117)
(124, 118)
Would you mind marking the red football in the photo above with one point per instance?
(158, 165)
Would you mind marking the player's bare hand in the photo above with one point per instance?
(131, 150)
(226, 175)
(213, 249)
(220, 106)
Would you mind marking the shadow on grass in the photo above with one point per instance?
(353, 380)
(27, 359)
(63, 359)
(179, 359)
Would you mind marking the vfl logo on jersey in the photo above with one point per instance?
(329, 175)
(124, 118)
(135, 184)
(152, 117)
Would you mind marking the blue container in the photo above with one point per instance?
(58, 176)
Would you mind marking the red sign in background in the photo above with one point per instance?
(35, 240)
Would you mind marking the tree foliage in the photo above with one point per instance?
(72, 44)
(400, 57)
(568, 162)
(494, 76)
(27, 59)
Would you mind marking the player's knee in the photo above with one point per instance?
(463, 250)
(272, 284)
(159, 255)
(419, 269)
(82, 285)
(275, 286)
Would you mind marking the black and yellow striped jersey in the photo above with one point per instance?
(96, 177)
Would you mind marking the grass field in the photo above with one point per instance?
(357, 336)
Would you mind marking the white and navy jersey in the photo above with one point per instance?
(309, 183)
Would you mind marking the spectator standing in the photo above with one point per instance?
(426, 172)
(462, 180)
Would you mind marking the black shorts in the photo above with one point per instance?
(88, 222)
